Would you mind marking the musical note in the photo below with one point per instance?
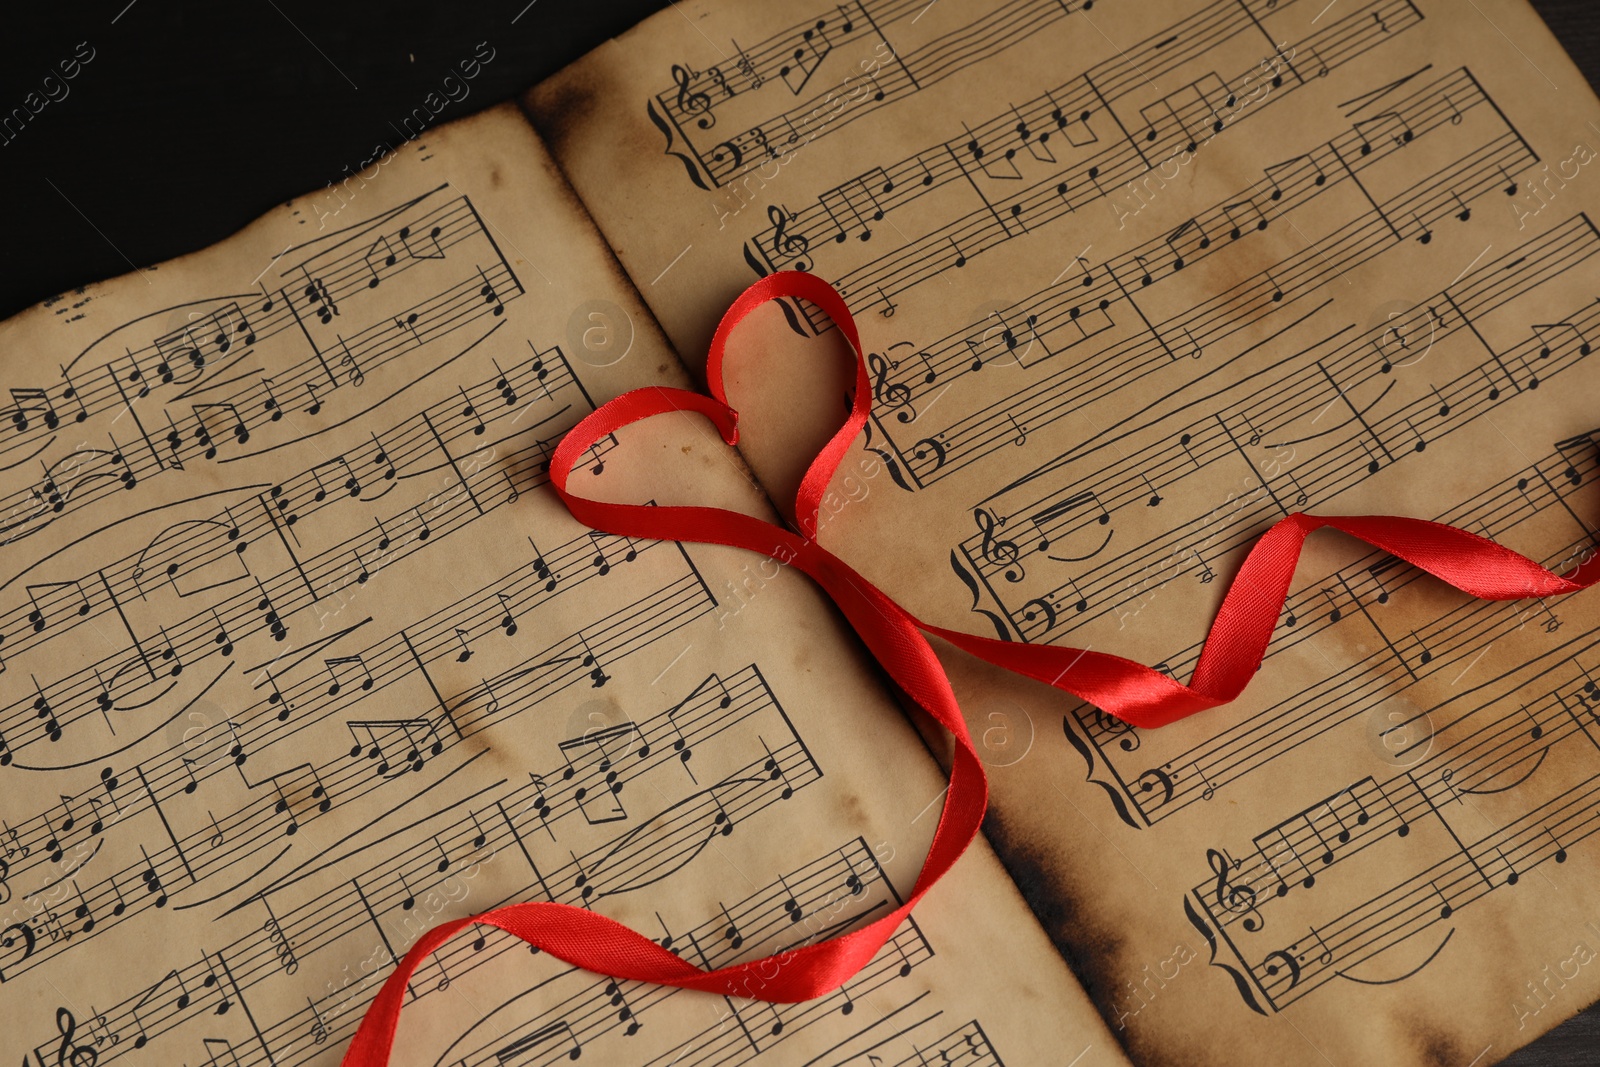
(1577, 334)
(508, 621)
(1425, 235)
(354, 374)
(36, 402)
(322, 303)
(600, 562)
(1446, 910)
(1388, 124)
(432, 238)
(341, 668)
(229, 415)
(275, 625)
(1245, 215)
(517, 1049)
(54, 599)
(856, 200)
(961, 257)
(1188, 238)
(388, 260)
(1279, 172)
(812, 48)
(1060, 520)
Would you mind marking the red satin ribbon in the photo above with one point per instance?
(1131, 691)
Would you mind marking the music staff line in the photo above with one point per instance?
(966, 439)
(182, 358)
(493, 612)
(1327, 371)
(1181, 121)
(1295, 854)
(397, 453)
(308, 927)
(655, 615)
(685, 113)
(1378, 579)
(1288, 186)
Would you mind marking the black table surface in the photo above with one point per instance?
(193, 118)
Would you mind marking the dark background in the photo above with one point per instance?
(193, 118)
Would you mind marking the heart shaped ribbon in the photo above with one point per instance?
(1130, 691)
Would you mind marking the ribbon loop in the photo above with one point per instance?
(793, 283)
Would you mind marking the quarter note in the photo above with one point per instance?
(542, 570)
(380, 458)
(71, 393)
(153, 886)
(1537, 730)
(1445, 911)
(316, 293)
(271, 406)
(470, 411)
(507, 393)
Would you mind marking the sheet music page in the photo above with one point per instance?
(302, 657)
(1138, 280)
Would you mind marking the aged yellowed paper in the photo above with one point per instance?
(1137, 280)
(301, 656)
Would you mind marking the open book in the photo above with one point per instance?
(301, 656)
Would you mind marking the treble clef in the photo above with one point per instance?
(1239, 899)
(784, 243)
(891, 394)
(71, 1054)
(998, 553)
(691, 102)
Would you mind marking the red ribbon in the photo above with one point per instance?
(1130, 691)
